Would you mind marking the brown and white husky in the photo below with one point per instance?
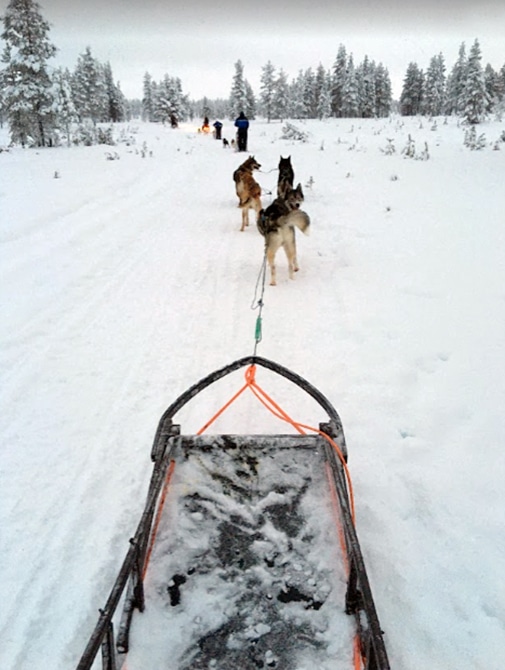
(277, 225)
(248, 190)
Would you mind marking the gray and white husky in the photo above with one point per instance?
(277, 225)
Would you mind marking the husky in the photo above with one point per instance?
(286, 177)
(248, 190)
(226, 144)
(277, 225)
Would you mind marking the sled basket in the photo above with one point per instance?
(246, 555)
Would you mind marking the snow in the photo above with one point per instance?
(124, 281)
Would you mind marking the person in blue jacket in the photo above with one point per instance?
(242, 124)
(217, 125)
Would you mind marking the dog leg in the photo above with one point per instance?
(290, 249)
(245, 218)
(271, 263)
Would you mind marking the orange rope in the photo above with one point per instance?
(156, 524)
(278, 412)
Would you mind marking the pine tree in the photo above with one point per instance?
(309, 94)
(434, 90)
(338, 81)
(366, 86)
(65, 109)
(250, 101)
(281, 96)
(116, 102)
(383, 91)
(88, 88)
(411, 98)
(147, 99)
(238, 95)
(324, 98)
(350, 92)
(456, 83)
(474, 94)
(490, 84)
(267, 90)
(296, 102)
(26, 84)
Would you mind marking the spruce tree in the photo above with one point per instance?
(434, 89)
(411, 97)
(250, 101)
(26, 84)
(338, 80)
(350, 92)
(65, 109)
(474, 94)
(456, 83)
(281, 96)
(267, 90)
(88, 88)
(383, 91)
(238, 95)
(324, 97)
(366, 84)
(116, 103)
(147, 99)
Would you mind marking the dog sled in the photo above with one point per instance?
(246, 554)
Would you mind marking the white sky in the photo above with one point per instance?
(200, 42)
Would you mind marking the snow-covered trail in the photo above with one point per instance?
(96, 319)
(123, 282)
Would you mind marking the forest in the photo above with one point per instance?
(47, 105)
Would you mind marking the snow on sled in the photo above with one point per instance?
(246, 555)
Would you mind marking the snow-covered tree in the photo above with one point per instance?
(490, 83)
(323, 95)
(456, 83)
(474, 95)
(238, 95)
(338, 80)
(250, 105)
(411, 98)
(26, 84)
(434, 89)
(350, 92)
(383, 91)
(88, 88)
(64, 105)
(148, 113)
(281, 96)
(169, 99)
(366, 86)
(116, 103)
(267, 90)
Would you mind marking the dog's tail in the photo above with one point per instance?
(300, 219)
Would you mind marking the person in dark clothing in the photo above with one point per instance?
(173, 121)
(218, 125)
(242, 124)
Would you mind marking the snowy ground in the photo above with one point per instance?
(125, 281)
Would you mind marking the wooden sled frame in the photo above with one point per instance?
(129, 582)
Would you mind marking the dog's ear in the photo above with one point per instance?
(299, 189)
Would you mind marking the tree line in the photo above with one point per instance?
(45, 106)
(469, 91)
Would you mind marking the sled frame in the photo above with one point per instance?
(128, 585)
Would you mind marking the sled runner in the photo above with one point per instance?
(246, 555)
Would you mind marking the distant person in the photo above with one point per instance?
(217, 125)
(173, 121)
(206, 126)
(242, 124)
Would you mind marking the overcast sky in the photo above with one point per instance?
(200, 41)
